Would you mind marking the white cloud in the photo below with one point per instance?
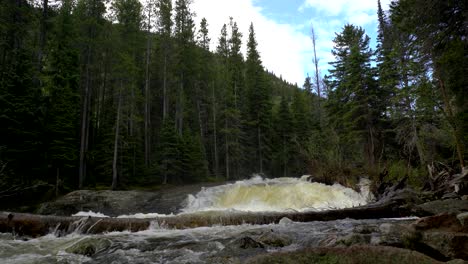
(281, 46)
(332, 15)
(337, 7)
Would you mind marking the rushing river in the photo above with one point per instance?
(216, 244)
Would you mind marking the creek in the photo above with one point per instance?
(214, 244)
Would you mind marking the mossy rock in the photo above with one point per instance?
(346, 255)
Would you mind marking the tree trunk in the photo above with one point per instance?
(317, 77)
(215, 136)
(57, 182)
(179, 108)
(165, 87)
(147, 94)
(451, 120)
(40, 225)
(84, 123)
(200, 121)
(285, 157)
(228, 176)
(260, 152)
(116, 142)
(42, 34)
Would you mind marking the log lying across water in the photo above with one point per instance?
(39, 225)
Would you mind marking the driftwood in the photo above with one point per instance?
(39, 225)
(442, 181)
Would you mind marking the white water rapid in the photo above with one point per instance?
(215, 244)
(281, 194)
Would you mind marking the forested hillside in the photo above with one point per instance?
(127, 94)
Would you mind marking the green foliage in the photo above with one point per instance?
(169, 153)
(149, 103)
(61, 79)
(193, 161)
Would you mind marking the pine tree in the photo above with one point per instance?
(354, 98)
(438, 30)
(184, 34)
(169, 153)
(283, 144)
(90, 14)
(308, 85)
(165, 25)
(20, 97)
(258, 103)
(129, 15)
(203, 38)
(62, 82)
(192, 157)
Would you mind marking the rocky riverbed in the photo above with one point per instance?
(425, 230)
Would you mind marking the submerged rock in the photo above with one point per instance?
(89, 246)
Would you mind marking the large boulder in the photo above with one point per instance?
(444, 206)
(115, 203)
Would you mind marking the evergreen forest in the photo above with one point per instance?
(120, 94)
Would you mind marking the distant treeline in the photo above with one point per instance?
(134, 96)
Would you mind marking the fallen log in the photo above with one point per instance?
(39, 225)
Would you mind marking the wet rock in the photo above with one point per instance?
(444, 206)
(274, 239)
(238, 250)
(354, 239)
(463, 218)
(285, 221)
(452, 245)
(443, 237)
(115, 203)
(393, 234)
(89, 246)
(248, 242)
(443, 222)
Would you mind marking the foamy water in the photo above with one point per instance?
(268, 195)
(281, 194)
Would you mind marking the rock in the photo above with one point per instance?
(239, 249)
(442, 235)
(394, 234)
(443, 222)
(355, 239)
(115, 203)
(444, 206)
(340, 255)
(248, 242)
(463, 218)
(457, 261)
(452, 245)
(273, 239)
(89, 246)
(285, 221)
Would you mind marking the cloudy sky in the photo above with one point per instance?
(283, 28)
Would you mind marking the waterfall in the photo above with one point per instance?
(281, 194)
